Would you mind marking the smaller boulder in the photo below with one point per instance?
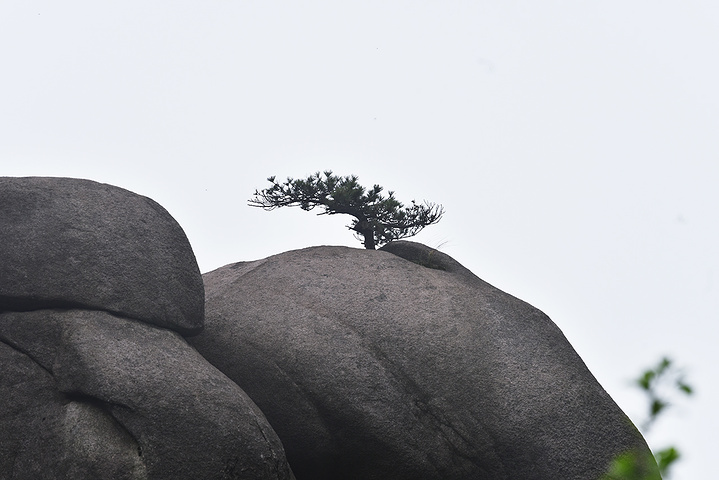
(77, 243)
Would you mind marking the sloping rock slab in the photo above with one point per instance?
(77, 243)
(373, 366)
(89, 395)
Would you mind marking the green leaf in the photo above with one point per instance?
(645, 381)
(665, 458)
(664, 365)
(683, 387)
(657, 406)
(632, 466)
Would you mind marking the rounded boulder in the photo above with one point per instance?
(72, 243)
(402, 364)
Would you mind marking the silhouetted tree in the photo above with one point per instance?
(378, 219)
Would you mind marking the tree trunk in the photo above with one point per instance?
(364, 228)
(368, 239)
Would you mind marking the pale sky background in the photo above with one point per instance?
(574, 146)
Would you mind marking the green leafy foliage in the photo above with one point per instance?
(378, 219)
(659, 384)
(665, 458)
(632, 466)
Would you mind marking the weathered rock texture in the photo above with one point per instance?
(74, 243)
(397, 364)
(117, 398)
(373, 366)
(93, 386)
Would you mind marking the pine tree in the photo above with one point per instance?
(377, 219)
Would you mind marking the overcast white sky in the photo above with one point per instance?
(573, 145)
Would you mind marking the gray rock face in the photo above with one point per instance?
(372, 366)
(73, 243)
(115, 398)
(97, 383)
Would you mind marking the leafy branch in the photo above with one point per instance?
(658, 383)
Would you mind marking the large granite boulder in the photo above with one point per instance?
(74, 243)
(96, 285)
(401, 364)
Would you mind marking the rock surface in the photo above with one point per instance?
(397, 364)
(97, 383)
(373, 366)
(116, 398)
(73, 243)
